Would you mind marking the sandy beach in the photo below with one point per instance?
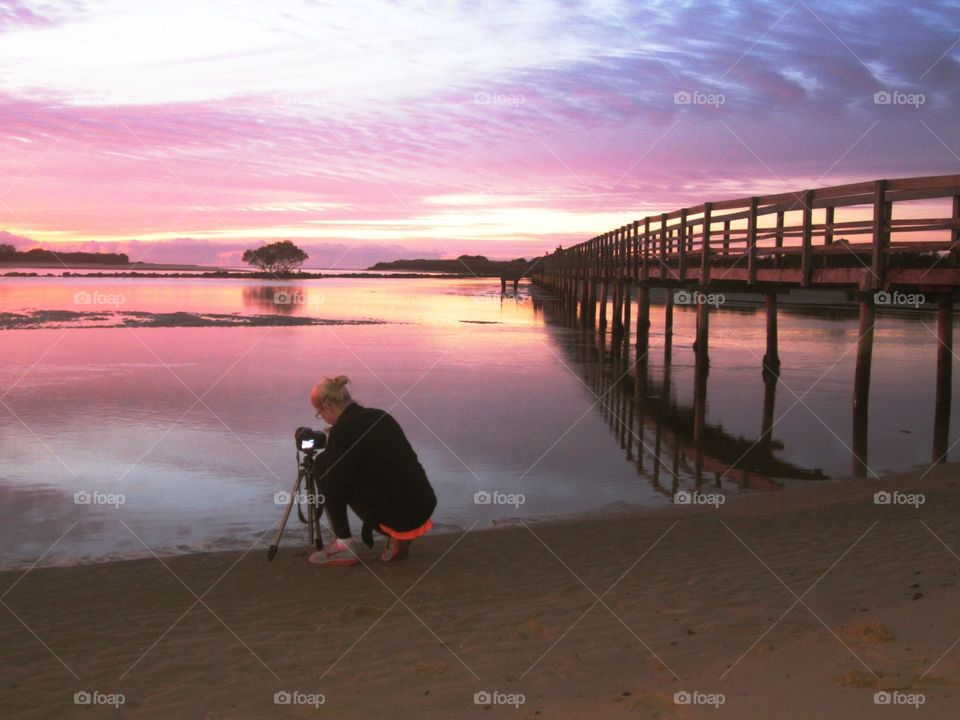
(797, 604)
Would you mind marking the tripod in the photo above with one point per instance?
(307, 452)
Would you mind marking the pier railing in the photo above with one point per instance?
(770, 244)
(796, 238)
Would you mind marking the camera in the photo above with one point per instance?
(309, 441)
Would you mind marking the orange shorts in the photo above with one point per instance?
(408, 534)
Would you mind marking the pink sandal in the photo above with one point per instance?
(339, 553)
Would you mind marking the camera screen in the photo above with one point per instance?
(307, 444)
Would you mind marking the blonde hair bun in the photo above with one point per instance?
(341, 380)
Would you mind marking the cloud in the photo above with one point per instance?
(354, 118)
(18, 241)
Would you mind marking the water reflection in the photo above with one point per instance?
(281, 299)
(668, 439)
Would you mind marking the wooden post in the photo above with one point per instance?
(726, 238)
(752, 242)
(592, 267)
(705, 245)
(771, 360)
(627, 305)
(701, 346)
(585, 284)
(828, 223)
(682, 242)
(955, 234)
(645, 272)
(769, 401)
(620, 236)
(881, 235)
(643, 320)
(638, 407)
(778, 238)
(701, 369)
(941, 422)
(861, 385)
(806, 250)
(663, 246)
(604, 243)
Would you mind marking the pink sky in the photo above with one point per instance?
(373, 130)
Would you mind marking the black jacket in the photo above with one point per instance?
(370, 464)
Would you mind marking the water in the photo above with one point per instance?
(192, 425)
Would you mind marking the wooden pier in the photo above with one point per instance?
(860, 237)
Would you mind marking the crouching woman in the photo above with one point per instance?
(370, 467)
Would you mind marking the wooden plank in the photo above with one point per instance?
(730, 204)
(901, 195)
(838, 191)
(925, 183)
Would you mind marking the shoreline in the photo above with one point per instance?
(617, 511)
(604, 616)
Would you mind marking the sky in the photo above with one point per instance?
(190, 130)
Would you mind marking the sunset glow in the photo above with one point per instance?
(371, 130)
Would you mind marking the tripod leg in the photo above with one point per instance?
(314, 512)
(272, 552)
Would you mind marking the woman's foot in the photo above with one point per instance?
(339, 553)
(395, 550)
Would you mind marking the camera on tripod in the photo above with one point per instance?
(309, 441)
(309, 444)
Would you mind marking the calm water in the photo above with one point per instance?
(193, 425)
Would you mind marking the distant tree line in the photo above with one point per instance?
(8, 253)
(465, 264)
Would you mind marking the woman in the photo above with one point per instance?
(369, 466)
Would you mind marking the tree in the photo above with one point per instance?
(278, 258)
(6, 249)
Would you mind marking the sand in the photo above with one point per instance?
(795, 604)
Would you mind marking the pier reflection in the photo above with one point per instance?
(667, 438)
